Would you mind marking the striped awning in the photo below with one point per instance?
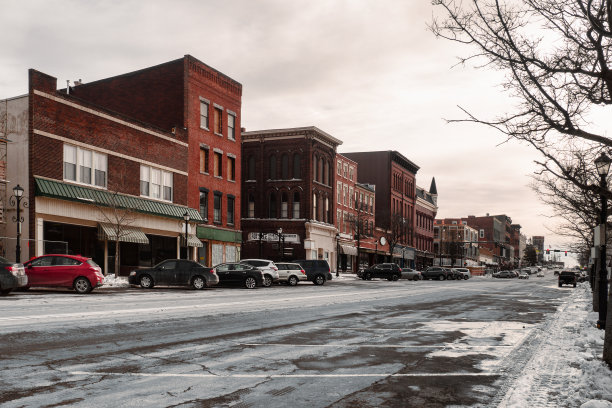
(348, 249)
(193, 241)
(126, 234)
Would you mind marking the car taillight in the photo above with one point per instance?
(303, 271)
(274, 268)
(211, 271)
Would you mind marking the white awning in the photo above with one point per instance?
(348, 250)
(126, 234)
(192, 241)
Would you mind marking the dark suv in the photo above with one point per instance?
(435, 272)
(567, 278)
(389, 271)
(317, 270)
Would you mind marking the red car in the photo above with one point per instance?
(65, 271)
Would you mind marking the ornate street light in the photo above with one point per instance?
(279, 232)
(15, 200)
(603, 167)
(186, 218)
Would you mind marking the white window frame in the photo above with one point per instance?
(231, 130)
(82, 157)
(207, 115)
(155, 177)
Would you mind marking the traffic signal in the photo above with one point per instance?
(547, 251)
(565, 253)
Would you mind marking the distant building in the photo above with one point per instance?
(494, 233)
(455, 243)
(426, 209)
(538, 242)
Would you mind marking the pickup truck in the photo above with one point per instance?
(567, 278)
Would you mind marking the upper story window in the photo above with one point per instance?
(204, 121)
(272, 167)
(204, 203)
(251, 206)
(297, 166)
(218, 118)
(231, 168)
(217, 207)
(345, 170)
(339, 167)
(284, 167)
(85, 166)
(482, 233)
(204, 151)
(218, 164)
(351, 173)
(155, 183)
(231, 126)
(251, 168)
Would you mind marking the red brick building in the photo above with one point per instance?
(81, 165)
(346, 212)
(202, 106)
(394, 178)
(288, 193)
(426, 209)
(494, 233)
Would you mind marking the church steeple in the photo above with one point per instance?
(433, 190)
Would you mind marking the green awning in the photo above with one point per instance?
(215, 234)
(103, 198)
(126, 234)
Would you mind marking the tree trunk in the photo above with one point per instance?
(607, 349)
(117, 258)
(596, 286)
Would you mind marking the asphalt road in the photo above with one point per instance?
(350, 343)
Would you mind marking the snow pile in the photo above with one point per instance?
(119, 282)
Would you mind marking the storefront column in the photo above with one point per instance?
(178, 247)
(105, 256)
(39, 247)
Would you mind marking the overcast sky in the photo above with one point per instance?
(366, 72)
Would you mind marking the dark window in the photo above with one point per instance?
(231, 168)
(217, 208)
(272, 206)
(218, 120)
(284, 167)
(251, 206)
(315, 166)
(203, 160)
(284, 206)
(251, 168)
(218, 165)
(272, 167)
(296, 205)
(297, 166)
(230, 210)
(204, 203)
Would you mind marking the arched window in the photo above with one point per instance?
(327, 212)
(297, 166)
(272, 206)
(315, 166)
(320, 170)
(284, 205)
(296, 205)
(284, 167)
(251, 206)
(272, 167)
(326, 174)
(251, 168)
(314, 206)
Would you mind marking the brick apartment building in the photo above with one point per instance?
(426, 209)
(288, 193)
(202, 106)
(456, 244)
(538, 242)
(346, 212)
(79, 163)
(394, 178)
(494, 232)
(365, 238)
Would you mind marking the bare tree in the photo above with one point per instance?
(399, 230)
(359, 226)
(118, 217)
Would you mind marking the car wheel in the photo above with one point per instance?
(82, 286)
(198, 282)
(146, 282)
(4, 292)
(395, 277)
(416, 278)
(441, 277)
(267, 281)
(293, 281)
(560, 284)
(368, 276)
(319, 280)
(574, 285)
(466, 277)
(250, 283)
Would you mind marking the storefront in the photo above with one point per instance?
(218, 245)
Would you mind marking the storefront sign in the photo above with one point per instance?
(273, 237)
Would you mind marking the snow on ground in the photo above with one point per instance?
(568, 367)
(116, 282)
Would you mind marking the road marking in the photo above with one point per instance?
(445, 346)
(376, 375)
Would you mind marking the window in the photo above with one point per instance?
(339, 167)
(155, 183)
(203, 159)
(85, 166)
(251, 206)
(272, 206)
(326, 174)
(231, 168)
(339, 192)
(204, 203)
(251, 168)
(351, 197)
(339, 219)
(204, 105)
(345, 169)
(218, 112)
(314, 206)
(217, 164)
(351, 173)
(296, 205)
(328, 215)
(272, 167)
(284, 167)
(217, 207)
(231, 126)
(230, 209)
(284, 206)
(482, 234)
(315, 166)
(297, 166)
(345, 200)
(320, 171)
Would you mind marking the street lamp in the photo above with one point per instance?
(15, 200)
(603, 166)
(186, 218)
(337, 254)
(279, 232)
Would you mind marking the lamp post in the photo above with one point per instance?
(15, 200)
(279, 232)
(337, 254)
(603, 166)
(186, 218)
(376, 253)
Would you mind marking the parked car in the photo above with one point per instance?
(175, 272)
(235, 273)
(291, 273)
(540, 275)
(581, 276)
(12, 276)
(465, 272)
(452, 274)
(524, 275)
(64, 271)
(317, 270)
(269, 269)
(389, 271)
(435, 272)
(567, 278)
(503, 274)
(411, 274)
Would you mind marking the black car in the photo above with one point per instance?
(12, 276)
(567, 278)
(317, 270)
(435, 272)
(389, 271)
(175, 272)
(234, 273)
